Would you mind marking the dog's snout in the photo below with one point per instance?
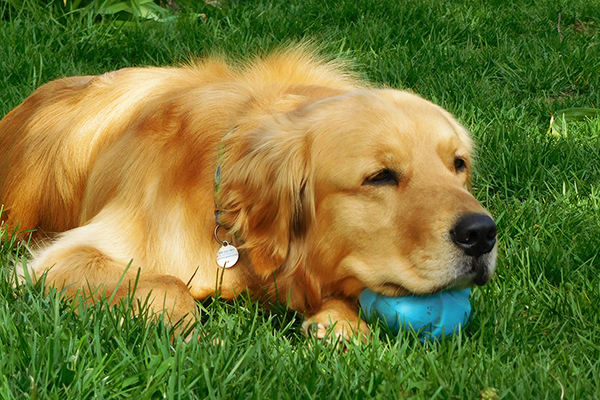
(475, 234)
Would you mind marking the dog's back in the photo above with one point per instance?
(50, 143)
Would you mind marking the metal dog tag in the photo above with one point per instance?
(227, 255)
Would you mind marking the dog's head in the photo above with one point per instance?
(366, 189)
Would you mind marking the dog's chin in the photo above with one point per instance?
(390, 289)
(461, 283)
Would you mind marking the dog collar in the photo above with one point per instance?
(227, 255)
(220, 153)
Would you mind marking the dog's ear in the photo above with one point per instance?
(266, 192)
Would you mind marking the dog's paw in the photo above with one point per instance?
(334, 322)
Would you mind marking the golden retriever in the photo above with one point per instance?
(325, 187)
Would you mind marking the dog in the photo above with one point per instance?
(309, 184)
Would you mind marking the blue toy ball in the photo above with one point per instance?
(432, 315)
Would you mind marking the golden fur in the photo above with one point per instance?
(123, 164)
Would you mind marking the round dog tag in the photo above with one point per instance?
(227, 255)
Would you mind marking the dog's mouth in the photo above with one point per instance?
(481, 270)
(467, 272)
(477, 272)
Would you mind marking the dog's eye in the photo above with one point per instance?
(459, 165)
(383, 177)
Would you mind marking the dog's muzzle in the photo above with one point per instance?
(475, 235)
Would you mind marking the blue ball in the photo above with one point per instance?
(431, 315)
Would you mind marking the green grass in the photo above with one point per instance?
(501, 67)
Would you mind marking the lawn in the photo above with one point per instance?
(502, 67)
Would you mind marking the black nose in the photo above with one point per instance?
(475, 234)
